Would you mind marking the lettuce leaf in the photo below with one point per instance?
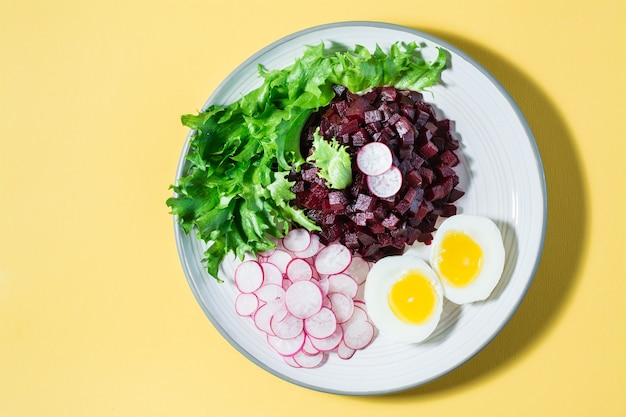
(235, 192)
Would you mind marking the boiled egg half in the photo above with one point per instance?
(468, 257)
(404, 298)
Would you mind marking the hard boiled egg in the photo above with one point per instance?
(468, 256)
(404, 298)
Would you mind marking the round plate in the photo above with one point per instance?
(500, 172)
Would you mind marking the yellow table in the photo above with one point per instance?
(96, 317)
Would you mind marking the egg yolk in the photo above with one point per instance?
(460, 259)
(412, 298)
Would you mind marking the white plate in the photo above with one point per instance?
(503, 179)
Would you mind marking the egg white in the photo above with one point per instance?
(386, 272)
(487, 235)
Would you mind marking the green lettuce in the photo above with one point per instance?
(235, 192)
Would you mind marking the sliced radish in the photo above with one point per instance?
(386, 184)
(358, 334)
(306, 360)
(265, 314)
(344, 352)
(312, 249)
(248, 276)
(299, 270)
(288, 327)
(329, 343)
(246, 304)
(374, 158)
(303, 299)
(321, 324)
(289, 360)
(308, 346)
(358, 269)
(280, 258)
(342, 283)
(271, 274)
(297, 240)
(286, 347)
(270, 293)
(342, 306)
(333, 259)
(324, 283)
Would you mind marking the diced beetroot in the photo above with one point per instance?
(449, 158)
(423, 152)
(347, 128)
(365, 202)
(388, 94)
(373, 116)
(428, 150)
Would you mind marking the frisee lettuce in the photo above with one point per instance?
(235, 192)
(332, 160)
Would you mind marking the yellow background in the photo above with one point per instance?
(96, 317)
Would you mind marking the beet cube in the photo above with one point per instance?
(351, 241)
(387, 94)
(428, 150)
(372, 116)
(449, 158)
(337, 200)
(377, 228)
(391, 221)
(348, 127)
(364, 202)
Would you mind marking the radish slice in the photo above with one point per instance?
(344, 284)
(309, 361)
(280, 258)
(246, 304)
(269, 293)
(324, 283)
(303, 299)
(297, 240)
(333, 259)
(342, 306)
(386, 184)
(299, 270)
(358, 269)
(271, 274)
(248, 276)
(344, 352)
(312, 249)
(289, 360)
(321, 324)
(286, 347)
(329, 343)
(374, 158)
(288, 327)
(308, 347)
(358, 334)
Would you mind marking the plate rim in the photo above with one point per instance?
(254, 59)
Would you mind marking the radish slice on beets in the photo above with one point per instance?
(280, 258)
(343, 283)
(303, 299)
(299, 270)
(374, 158)
(286, 347)
(312, 249)
(288, 327)
(342, 306)
(246, 304)
(271, 274)
(306, 360)
(333, 259)
(248, 276)
(297, 240)
(321, 324)
(386, 184)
